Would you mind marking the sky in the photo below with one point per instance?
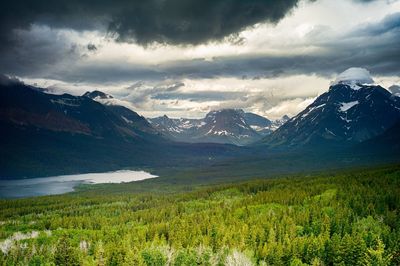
(184, 58)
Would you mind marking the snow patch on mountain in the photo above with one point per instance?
(312, 109)
(346, 106)
(126, 119)
(256, 128)
(354, 77)
(68, 102)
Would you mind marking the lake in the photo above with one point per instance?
(65, 183)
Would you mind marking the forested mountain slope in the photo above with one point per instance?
(348, 218)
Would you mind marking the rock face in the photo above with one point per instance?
(350, 112)
(232, 126)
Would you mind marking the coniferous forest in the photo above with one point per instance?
(347, 218)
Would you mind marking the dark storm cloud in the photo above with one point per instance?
(37, 50)
(164, 21)
(27, 53)
(388, 24)
(380, 55)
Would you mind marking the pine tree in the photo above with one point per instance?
(376, 256)
(65, 254)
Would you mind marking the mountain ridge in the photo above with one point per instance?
(45, 134)
(233, 126)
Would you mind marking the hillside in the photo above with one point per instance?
(347, 218)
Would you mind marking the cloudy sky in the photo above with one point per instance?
(186, 57)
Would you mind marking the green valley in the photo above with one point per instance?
(334, 218)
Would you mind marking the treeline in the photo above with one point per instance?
(342, 219)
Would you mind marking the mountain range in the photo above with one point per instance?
(46, 134)
(232, 126)
(227, 126)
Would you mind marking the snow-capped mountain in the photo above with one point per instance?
(176, 129)
(232, 126)
(227, 126)
(221, 126)
(352, 111)
(353, 77)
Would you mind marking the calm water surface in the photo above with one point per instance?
(65, 183)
